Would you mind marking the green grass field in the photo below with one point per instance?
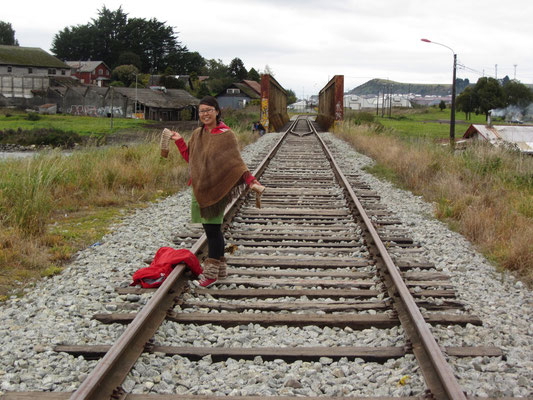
(427, 122)
(84, 126)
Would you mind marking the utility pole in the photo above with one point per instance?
(112, 95)
(390, 101)
(135, 110)
(452, 117)
(514, 71)
(383, 103)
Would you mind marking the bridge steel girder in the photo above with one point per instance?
(273, 104)
(331, 104)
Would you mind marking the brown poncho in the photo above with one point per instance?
(216, 170)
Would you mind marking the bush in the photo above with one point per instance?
(40, 137)
(363, 118)
(33, 116)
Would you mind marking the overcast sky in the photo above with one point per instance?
(306, 42)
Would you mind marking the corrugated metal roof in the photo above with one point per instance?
(498, 135)
(29, 56)
(173, 98)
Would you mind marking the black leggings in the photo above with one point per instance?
(215, 240)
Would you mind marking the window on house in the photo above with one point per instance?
(9, 69)
(30, 70)
(51, 71)
(233, 91)
(63, 72)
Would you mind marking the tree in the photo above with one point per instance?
(187, 62)
(7, 34)
(125, 74)
(442, 105)
(291, 96)
(489, 95)
(516, 93)
(171, 82)
(215, 69)
(203, 90)
(237, 70)
(112, 34)
(74, 43)
(219, 76)
(129, 58)
(466, 101)
(268, 71)
(253, 75)
(461, 84)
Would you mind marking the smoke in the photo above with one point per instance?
(514, 113)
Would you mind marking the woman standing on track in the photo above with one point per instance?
(218, 175)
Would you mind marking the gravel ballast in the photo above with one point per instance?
(59, 310)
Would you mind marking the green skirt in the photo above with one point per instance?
(196, 218)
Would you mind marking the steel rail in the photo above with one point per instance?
(446, 387)
(105, 379)
(292, 129)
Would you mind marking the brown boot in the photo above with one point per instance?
(210, 274)
(223, 270)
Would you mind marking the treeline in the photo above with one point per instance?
(490, 94)
(135, 48)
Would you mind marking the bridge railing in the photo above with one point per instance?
(273, 104)
(331, 104)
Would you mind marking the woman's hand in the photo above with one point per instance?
(175, 136)
(257, 187)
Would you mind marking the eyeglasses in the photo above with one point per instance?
(207, 111)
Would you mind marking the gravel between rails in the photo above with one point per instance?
(58, 310)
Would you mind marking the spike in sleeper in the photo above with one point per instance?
(210, 274)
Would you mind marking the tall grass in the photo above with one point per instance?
(52, 205)
(484, 192)
(32, 188)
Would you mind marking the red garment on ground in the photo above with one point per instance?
(222, 127)
(162, 265)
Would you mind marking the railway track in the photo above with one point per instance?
(322, 255)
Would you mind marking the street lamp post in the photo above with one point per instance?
(452, 117)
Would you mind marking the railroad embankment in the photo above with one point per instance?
(482, 192)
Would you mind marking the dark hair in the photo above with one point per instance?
(211, 101)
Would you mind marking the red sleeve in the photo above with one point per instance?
(249, 178)
(182, 147)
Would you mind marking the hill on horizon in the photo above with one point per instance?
(375, 86)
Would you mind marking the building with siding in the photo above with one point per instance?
(91, 72)
(24, 70)
(155, 104)
(239, 94)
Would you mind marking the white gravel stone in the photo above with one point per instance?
(59, 310)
